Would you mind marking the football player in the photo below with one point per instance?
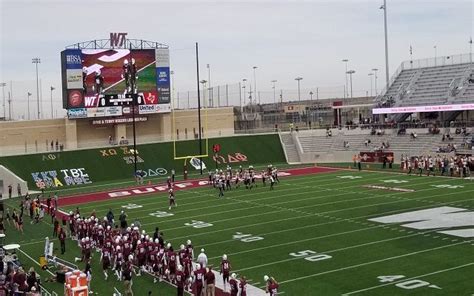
(99, 82)
(234, 287)
(272, 285)
(180, 281)
(126, 76)
(225, 270)
(106, 258)
(172, 200)
(243, 286)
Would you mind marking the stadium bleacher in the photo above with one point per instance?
(418, 83)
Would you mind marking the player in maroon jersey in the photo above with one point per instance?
(180, 281)
(243, 286)
(141, 256)
(82, 244)
(272, 285)
(172, 199)
(234, 287)
(106, 258)
(199, 280)
(225, 270)
(169, 183)
(187, 266)
(182, 254)
(153, 263)
(171, 255)
(119, 260)
(190, 249)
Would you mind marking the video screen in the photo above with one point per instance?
(95, 78)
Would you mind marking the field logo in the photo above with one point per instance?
(441, 217)
(196, 163)
(66, 177)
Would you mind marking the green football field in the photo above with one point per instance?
(317, 234)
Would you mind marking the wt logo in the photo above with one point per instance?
(117, 39)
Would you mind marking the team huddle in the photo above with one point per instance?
(222, 180)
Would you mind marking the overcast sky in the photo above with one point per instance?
(285, 39)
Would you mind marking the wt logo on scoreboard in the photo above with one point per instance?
(117, 39)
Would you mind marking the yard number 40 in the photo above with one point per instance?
(408, 284)
(311, 256)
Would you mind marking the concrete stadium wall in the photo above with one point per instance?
(22, 137)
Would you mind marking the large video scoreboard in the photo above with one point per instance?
(109, 82)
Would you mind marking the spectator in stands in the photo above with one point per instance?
(413, 135)
(328, 132)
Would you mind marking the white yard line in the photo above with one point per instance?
(371, 262)
(338, 250)
(252, 194)
(408, 279)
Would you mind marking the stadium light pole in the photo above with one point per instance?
(208, 66)
(203, 82)
(299, 79)
(346, 91)
(28, 102)
(375, 80)
(37, 61)
(436, 53)
(199, 107)
(387, 72)
(350, 72)
(470, 50)
(274, 91)
(371, 82)
(3, 84)
(243, 89)
(52, 88)
(255, 83)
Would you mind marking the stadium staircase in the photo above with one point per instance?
(289, 147)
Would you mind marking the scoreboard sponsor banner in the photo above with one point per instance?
(150, 109)
(115, 77)
(77, 113)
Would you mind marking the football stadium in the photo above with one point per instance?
(304, 165)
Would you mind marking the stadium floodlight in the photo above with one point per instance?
(346, 91)
(375, 79)
(28, 102)
(274, 91)
(371, 82)
(2, 85)
(255, 83)
(52, 88)
(350, 72)
(37, 61)
(299, 79)
(384, 8)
